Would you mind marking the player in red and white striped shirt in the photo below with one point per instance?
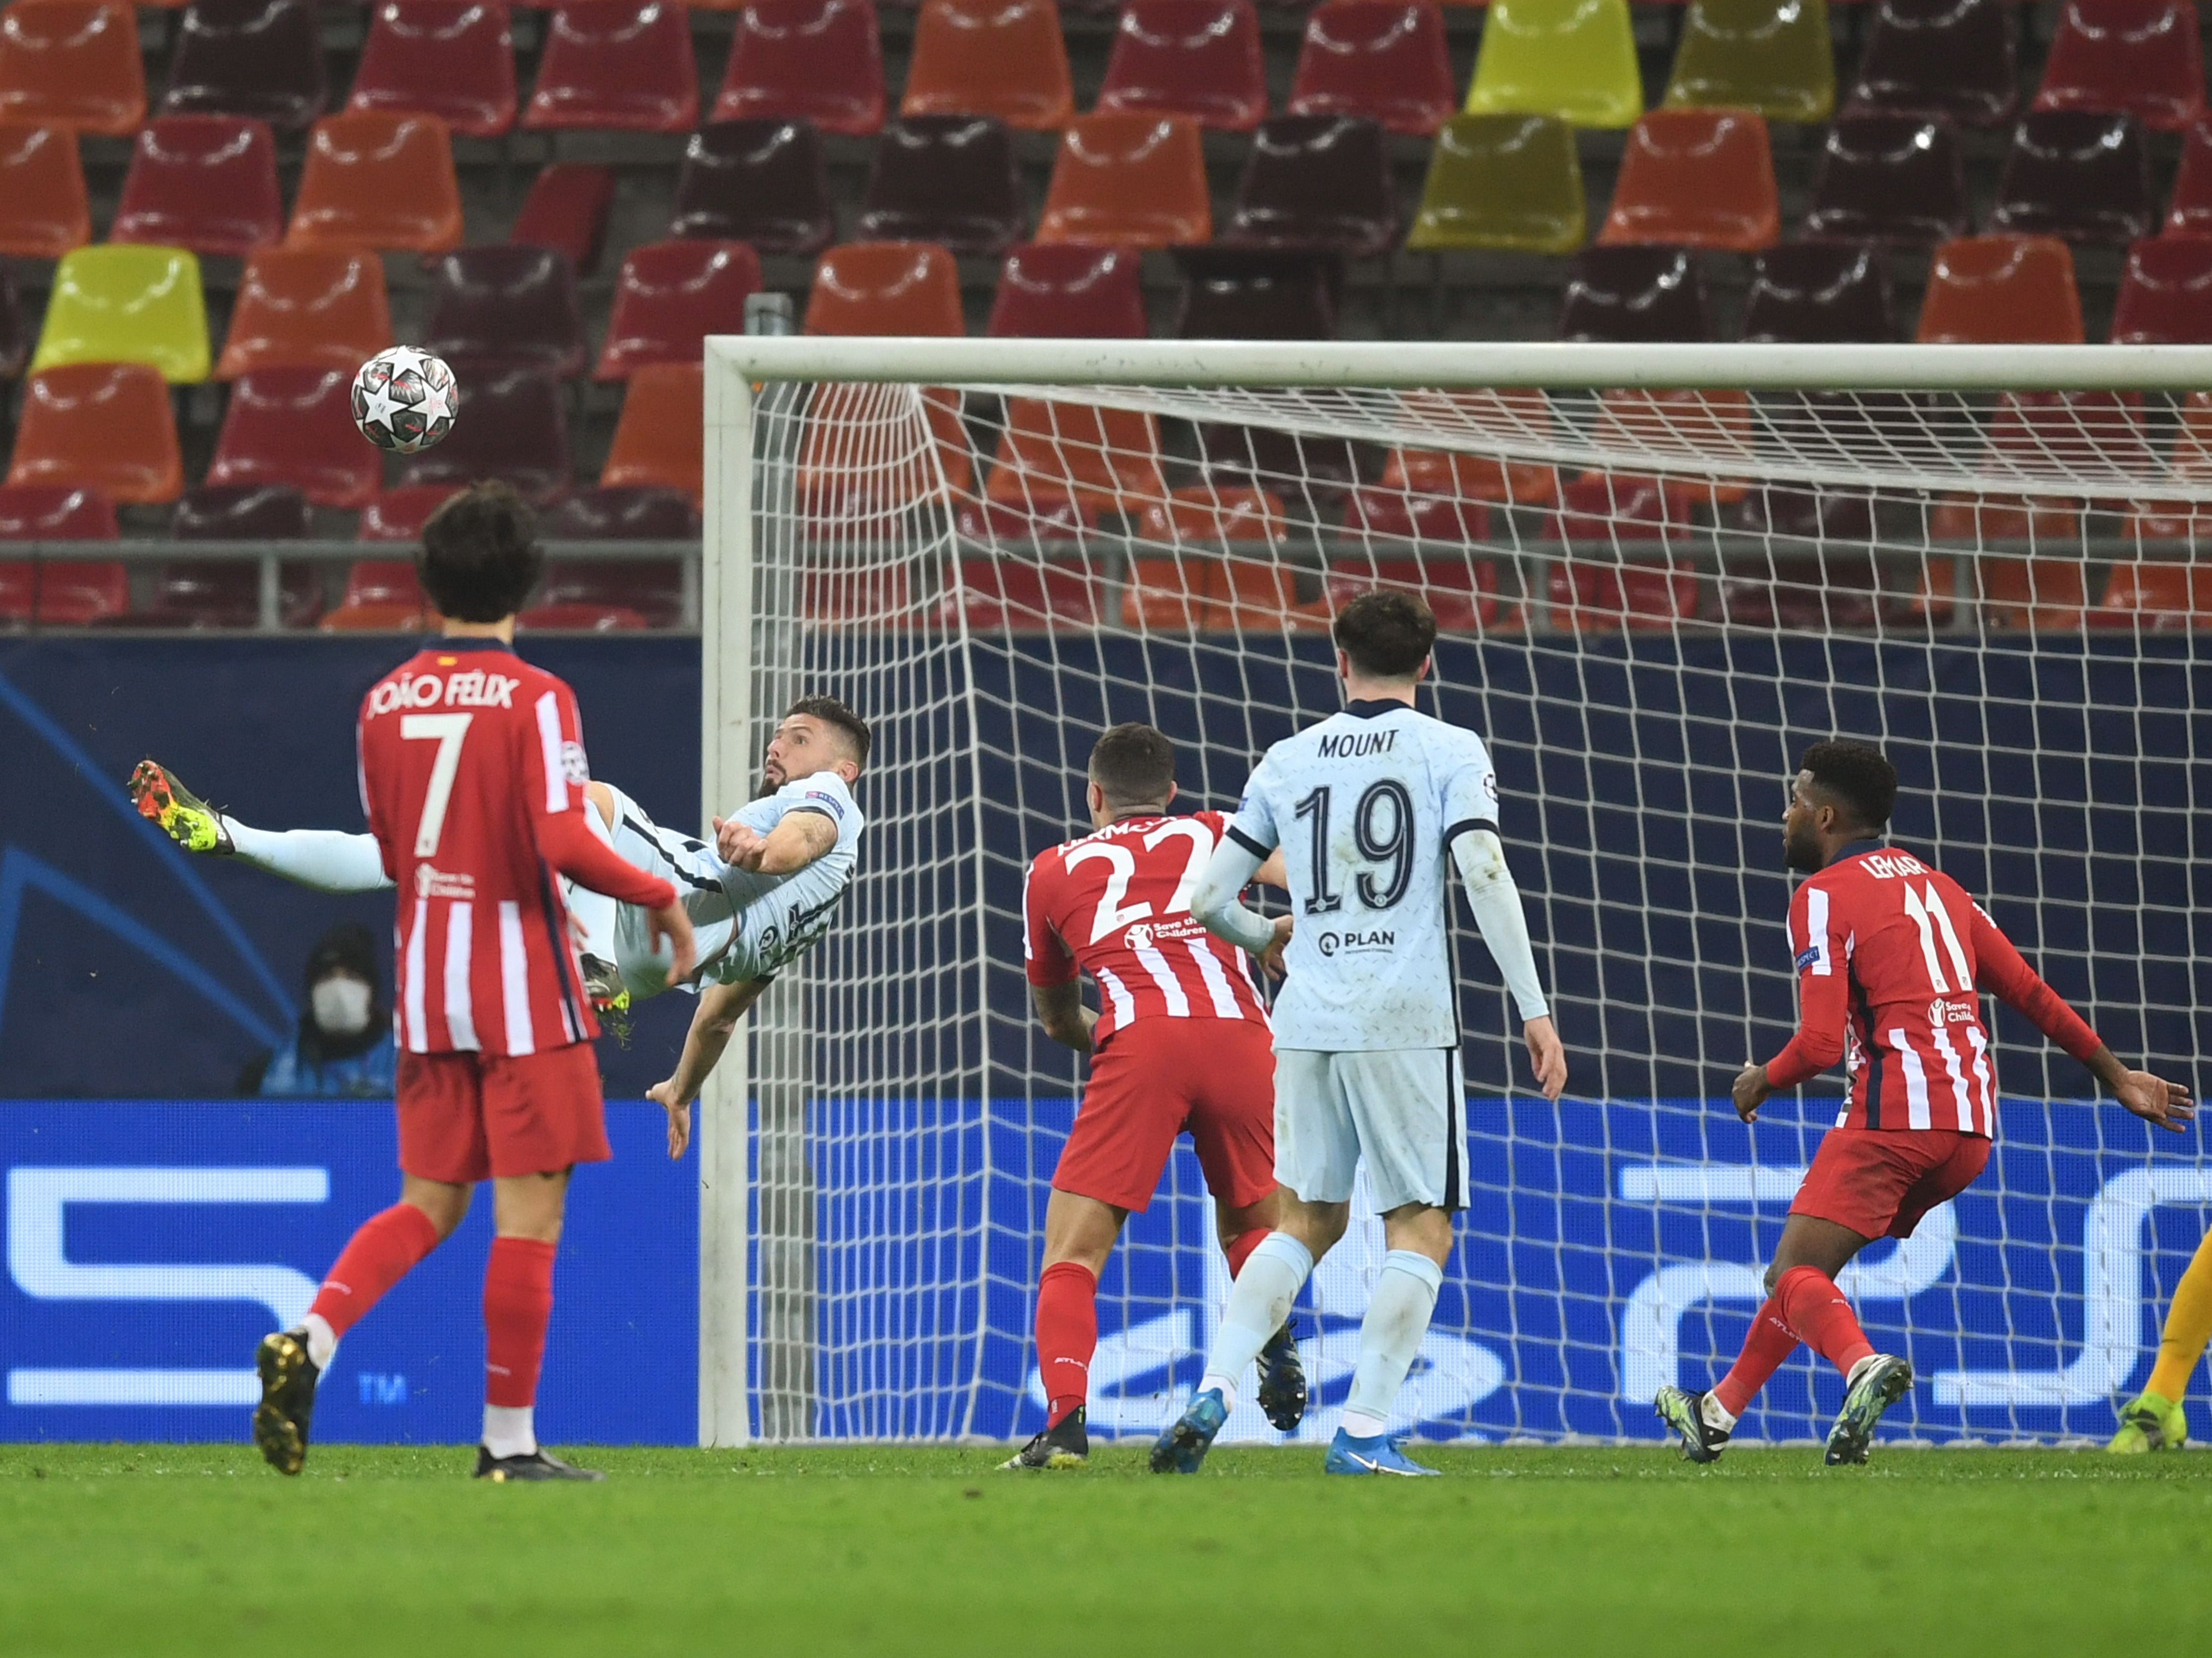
(1181, 1042)
(473, 774)
(1892, 955)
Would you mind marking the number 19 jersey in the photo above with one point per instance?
(1366, 806)
(464, 750)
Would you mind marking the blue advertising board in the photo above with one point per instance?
(1610, 1248)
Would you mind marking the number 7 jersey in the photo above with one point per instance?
(464, 750)
(1366, 806)
(1116, 904)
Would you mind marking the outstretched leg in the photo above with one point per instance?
(2153, 1420)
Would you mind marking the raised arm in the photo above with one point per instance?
(1495, 900)
(2001, 969)
(804, 835)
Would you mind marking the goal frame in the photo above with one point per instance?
(739, 369)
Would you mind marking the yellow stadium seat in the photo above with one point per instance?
(1771, 55)
(1503, 181)
(1572, 59)
(127, 304)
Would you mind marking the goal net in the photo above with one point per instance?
(1659, 573)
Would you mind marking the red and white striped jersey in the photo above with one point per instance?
(472, 775)
(1116, 904)
(1890, 954)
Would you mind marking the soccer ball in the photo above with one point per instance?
(403, 399)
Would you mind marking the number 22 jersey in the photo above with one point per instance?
(1366, 806)
(1889, 955)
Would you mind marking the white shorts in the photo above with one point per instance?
(1403, 1110)
(690, 866)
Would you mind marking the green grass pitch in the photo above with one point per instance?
(1926, 1554)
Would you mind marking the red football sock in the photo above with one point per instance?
(518, 1300)
(1066, 1334)
(1823, 1319)
(376, 1258)
(1770, 1341)
(1239, 1248)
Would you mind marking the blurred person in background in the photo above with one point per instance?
(344, 1047)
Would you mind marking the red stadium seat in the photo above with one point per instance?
(2002, 291)
(72, 64)
(2190, 212)
(885, 288)
(108, 426)
(1258, 294)
(308, 307)
(2166, 293)
(951, 180)
(1380, 59)
(567, 211)
(1316, 182)
(669, 296)
(765, 182)
(59, 592)
(451, 58)
(510, 426)
(1004, 58)
(400, 514)
(2139, 58)
(507, 306)
(2156, 597)
(1954, 57)
(1632, 295)
(1068, 292)
(44, 212)
(259, 59)
(1460, 593)
(1197, 58)
(625, 65)
(1103, 459)
(294, 427)
(379, 181)
(204, 182)
(1808, 292)
(2084, 177)
(1014, 595)
(817, 61)
(1895, 178)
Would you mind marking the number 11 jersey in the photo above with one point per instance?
(1366, 806)
(464, 750)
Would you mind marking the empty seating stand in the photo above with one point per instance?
(1004, 58)
(44, 209)
(1318, 181)
(451, 58)
(1382, 59)
(378, 180)
(1955, 57)
(307, 308)
(1696, 178)
(2002, 291)
(1773, 56)
(1576, 63)
(262, 59)
(2139, 58)
(1067, 291)
(620, 65)
(507, 306)
(669, 296)
(1129, 180)
(72, 64)
(2082, 176)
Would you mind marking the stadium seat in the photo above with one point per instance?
(1041, 524)
(1816, 569)
(15, 332)
(566, 210)
(59, 592)
(451, 58)
(867, 453)
(379, 618)
(1014, 595)
(1510, 182)
(1321, 181)
(1198, 592)
(2166, 293)
(945, 179)
(307, 308)
(1380, 514)
(1462, 593)
(1633, 294)
(885, 288)
(261, 59)
(1197, 58)
(659, 441)
(294, 427)
(507, 306)
(1102, 460)
(2157, 598)
(2001, 290)
(1069, 292)
(1312, 473)
(1128, 182)
(72, 64)
(634, 514)
(2190, 212)
(1254, 294)
(100, 425)
(44, 212)
(2139, 58)
(400, 514)
(127, 305)
(1900, 179)
(379, 181)
(2076, 175)
(2049, 595)
(203, 182)
(669, 296)
(817, 61)
(1004, 58)
(242, 512)
(509, 426)
(1519, 418)
(1773, 56)
(1204, 518)
(761, 182)
(1696, 178)
(1954, 57)
(2074, 433)
(652, 587)
(1383, 60)
(620, 65)
(1814, 292)
(1599, 511)
(1589, 595)
(1575, 61)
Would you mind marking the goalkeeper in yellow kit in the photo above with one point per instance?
(2153, 1419)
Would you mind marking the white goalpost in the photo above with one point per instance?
(1659, 572)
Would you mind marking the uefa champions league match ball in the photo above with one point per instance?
(403, 399)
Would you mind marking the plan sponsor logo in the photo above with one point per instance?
(1353, 942)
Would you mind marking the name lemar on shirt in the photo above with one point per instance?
(1884, 865)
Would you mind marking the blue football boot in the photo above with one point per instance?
(1381, 1453)
(1182, 1447)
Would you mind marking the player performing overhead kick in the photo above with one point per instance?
(1890, 956)
(1371, 807)
(757, 900)
(1181, 1045)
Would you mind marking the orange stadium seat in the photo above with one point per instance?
(1004, 58)
(380, 181)
(2004, 290)
(1128, 182)
(72, 64)
(660, 440)
(885, 288)
(100, 426)
(1696, 178)
(44, 212)
(307, 308)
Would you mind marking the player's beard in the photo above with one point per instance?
(772, 778)
(1801, 853)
